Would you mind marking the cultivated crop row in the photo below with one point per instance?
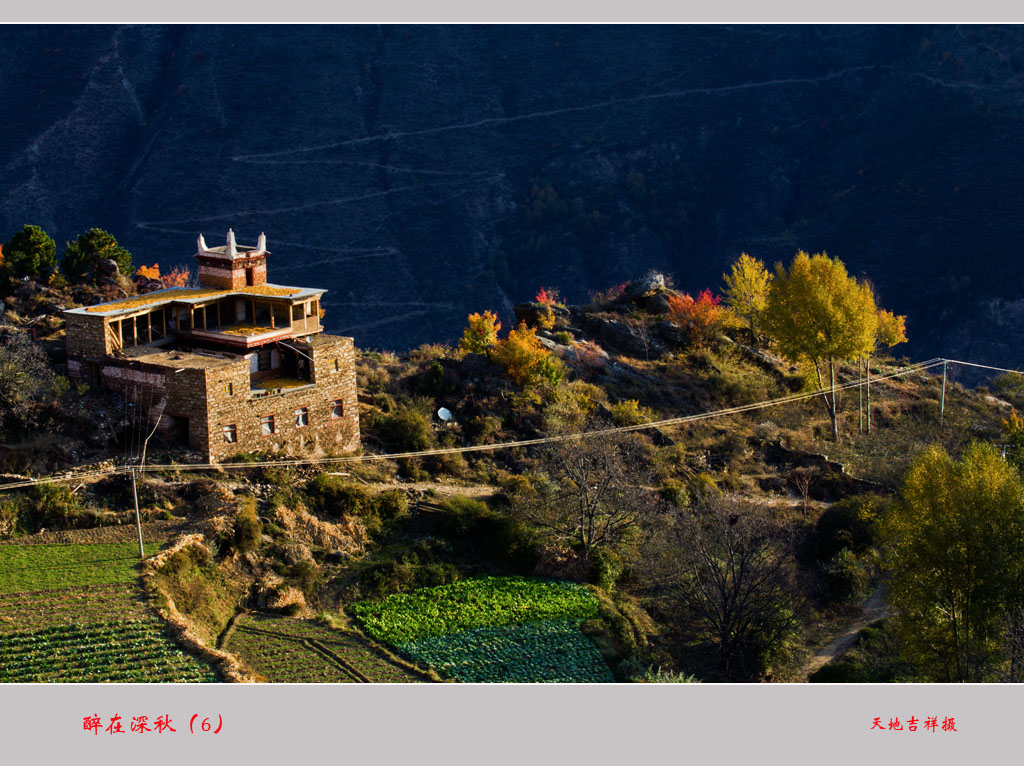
(554, 650)
(135, 650)
(286, 660)
(276, 644)
(493, 629)
(477, 603)
(83, 604)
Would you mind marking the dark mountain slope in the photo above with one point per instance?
(421, 172)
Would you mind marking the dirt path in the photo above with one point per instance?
(872, 610)
(422, 487)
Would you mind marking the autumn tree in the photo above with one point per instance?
(29, 253)
(703, 315)
(731, 570)
(955, 544)
(481, 333)
(746, 290)
(82, 255)
(594, 494)
(818, 313)
(525, 359)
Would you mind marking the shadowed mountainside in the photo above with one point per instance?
(419, 173)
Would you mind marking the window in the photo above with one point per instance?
(267, 425)
(337, 408)
(301, 417)
(231, 389)
(263, 361)
(230, 434)
(309, 309)
(297, 311)
(337, 365)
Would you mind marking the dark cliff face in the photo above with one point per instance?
(419, 173)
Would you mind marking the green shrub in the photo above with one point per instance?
(47, 506)
(392, 505)
(331, 496)
(674, 492)
(406, 429)
(605, 569)
(248, 530)
(844, 579)
(629, 413)
(851, 523)
(501, 539)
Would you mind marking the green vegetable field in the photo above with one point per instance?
(120, 650)
(76, 613)
(493, 629)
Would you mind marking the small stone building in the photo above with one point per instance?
(234, 365)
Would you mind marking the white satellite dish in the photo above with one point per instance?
(445, 414)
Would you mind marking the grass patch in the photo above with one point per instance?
(46, 567)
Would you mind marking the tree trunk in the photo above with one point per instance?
(867, 371)
(860, 398)
(833, 406)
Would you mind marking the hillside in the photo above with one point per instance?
(434, 567)
(421, 172)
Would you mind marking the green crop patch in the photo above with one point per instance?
(126, 651)
(550, 651)
(49, 567)
(477, 603)
(493, 629)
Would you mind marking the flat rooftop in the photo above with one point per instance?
(193, 296)
(180, 359)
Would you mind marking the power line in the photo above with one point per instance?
(681, 420)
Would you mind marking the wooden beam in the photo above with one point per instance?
(149, 327)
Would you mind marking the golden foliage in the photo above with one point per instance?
(481, 333)
(816, 311)
(523, 356)
(746, 288)
(892, 329)
(148, 272)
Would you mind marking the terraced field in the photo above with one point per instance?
(284, 650)
(53, 566)
(81, 604)
(493, 629)
(118, 650)
(76, 613)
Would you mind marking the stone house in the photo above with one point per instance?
(234, 365)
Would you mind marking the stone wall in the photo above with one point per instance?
(324, 434)
(231, 275)
(86, 336)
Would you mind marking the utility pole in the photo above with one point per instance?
(135, 488)
(138, 519)
(942, 401)
(867, 385)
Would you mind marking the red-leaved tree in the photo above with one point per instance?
(703, 315)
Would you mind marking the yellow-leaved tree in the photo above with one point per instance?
(481, 333)
(818, 313)
(525, 359)
(746, 290)
(955, 552)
